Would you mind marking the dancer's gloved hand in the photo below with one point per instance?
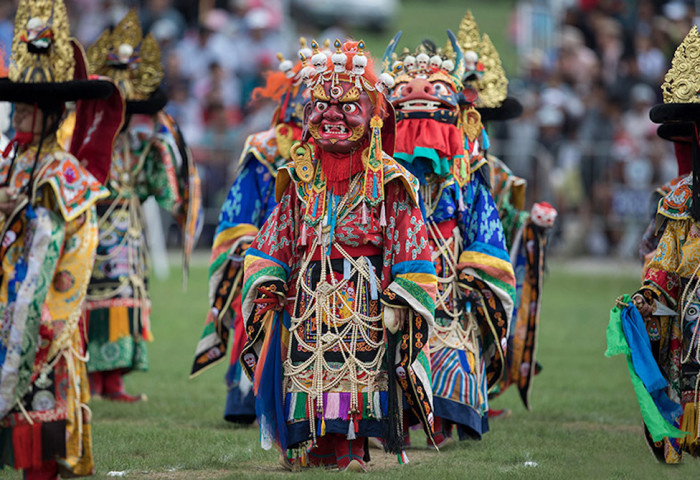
(8, 200)
(645, 309)
(270, 297)
(394, 318)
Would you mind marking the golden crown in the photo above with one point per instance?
(682, 81)
(492, 86)
(131, 60)
(41, 47)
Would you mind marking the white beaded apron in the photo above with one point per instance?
(125, 206)
(336, 345)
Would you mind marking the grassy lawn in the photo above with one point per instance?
(420, 19)
(585, 421)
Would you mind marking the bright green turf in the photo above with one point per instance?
(420, 19)
(585, 421)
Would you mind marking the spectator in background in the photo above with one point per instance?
(218, 87)
(215, 154)
(165, 32)
(651, 61)
(186, 110)
(609, 40)
(154, 10)
(208, 44)
(95, 17)
(258, 45)
(7, 29)
(635, 121)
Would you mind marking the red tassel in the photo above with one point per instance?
(382, 217)
(36, 445)
(303, 233)
(22, 437)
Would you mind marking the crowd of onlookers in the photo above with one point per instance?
(584, 141)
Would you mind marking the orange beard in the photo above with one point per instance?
(339, 168)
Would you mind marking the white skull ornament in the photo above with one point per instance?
(470, 59)
(409, 63)
(401, 373)
(543, 214)
(286, 66)
(319, 62)
(124, 53)
(35, 26)
(249, 360)
(422, 59)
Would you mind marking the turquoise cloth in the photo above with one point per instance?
(440, 165)
(654, 419)
(645, 364)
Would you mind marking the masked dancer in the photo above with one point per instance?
(475, 277)
(148, 161)
(49, 236)
(339, 288)
(248, 204)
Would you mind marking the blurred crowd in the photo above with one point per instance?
(584, 141)
(214, 54)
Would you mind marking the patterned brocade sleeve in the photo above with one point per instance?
(407, 257)
(72, 275)
(269, 257)
(486, 274)
(413, 284)
(161, 175)
(661, 276)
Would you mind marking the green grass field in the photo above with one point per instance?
(420, 19)
(585, 422)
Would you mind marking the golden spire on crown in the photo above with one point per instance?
(131, 60)
(41, 47)
(468, 33)
(682, 81)
(493, 86)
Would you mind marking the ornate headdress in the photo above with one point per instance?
(681, 87)
(133, 61)
(349, 63)
(680, 112)
(43, 58)
(485, 73)
(429, 86)
(286, 88)
(426, 60)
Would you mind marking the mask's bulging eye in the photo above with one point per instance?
(399, 90)
(693, 312)
(321, 106)
(349, 108)
(440, 88)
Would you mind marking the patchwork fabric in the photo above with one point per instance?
(395, 267)
(75, 189)
(144, 164)
(45, 273)
(249, 203)
(671, 279)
